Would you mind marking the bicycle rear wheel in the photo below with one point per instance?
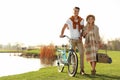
(60, 65)
(73, 64)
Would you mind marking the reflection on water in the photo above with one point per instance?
(10, 64)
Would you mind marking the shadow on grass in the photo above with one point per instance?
(99, 76)
(103, 76)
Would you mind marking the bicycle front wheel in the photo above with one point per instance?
(60, 65)
(72, 64)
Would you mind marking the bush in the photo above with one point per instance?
(47, 54)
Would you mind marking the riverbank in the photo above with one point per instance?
(10, 64)
(104, 72)
(34, 53)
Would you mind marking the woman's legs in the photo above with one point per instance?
(93, 65)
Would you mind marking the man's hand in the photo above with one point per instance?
(61, 36)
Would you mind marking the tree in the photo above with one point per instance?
(114, 44)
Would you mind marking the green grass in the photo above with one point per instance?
(34, 51)
(104, 72)
(9, 51)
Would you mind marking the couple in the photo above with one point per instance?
(91, 34)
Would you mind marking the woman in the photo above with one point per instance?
(92, 41)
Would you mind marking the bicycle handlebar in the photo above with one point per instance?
(66, 36)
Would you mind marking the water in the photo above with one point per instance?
(11, 65)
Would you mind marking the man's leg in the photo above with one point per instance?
(74, 44)
(81, 52)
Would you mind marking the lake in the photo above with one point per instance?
(11, 64)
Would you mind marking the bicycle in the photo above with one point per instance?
(70, 59)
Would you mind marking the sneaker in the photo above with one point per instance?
(82, 72)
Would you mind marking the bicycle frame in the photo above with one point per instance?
(65, 58)
(63, 55)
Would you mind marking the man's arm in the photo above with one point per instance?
(63, 30)
(82, 30)
(82, 25)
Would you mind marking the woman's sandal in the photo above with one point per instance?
(93, 72)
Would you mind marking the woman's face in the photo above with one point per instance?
(90, 20)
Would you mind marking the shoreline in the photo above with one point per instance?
(13, 64)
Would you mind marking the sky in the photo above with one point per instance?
(35, 22)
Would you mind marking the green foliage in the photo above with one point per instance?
(33, 51)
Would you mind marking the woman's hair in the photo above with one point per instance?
(90, 16)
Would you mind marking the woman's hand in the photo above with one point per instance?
(86, 45)
(100, 45)
(84, 34)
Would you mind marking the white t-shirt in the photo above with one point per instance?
(74, 33)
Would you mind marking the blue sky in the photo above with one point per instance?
(34, 22)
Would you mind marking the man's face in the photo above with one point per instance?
(76, 12)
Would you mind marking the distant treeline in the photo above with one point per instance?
(111, 45)
(114, 45)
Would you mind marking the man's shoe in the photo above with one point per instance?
(82, 72)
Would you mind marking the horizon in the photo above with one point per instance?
(37, 22)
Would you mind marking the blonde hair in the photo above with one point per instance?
(90, 16)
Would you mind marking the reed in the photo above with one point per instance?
(47, 54)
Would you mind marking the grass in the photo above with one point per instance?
(9, 51)
(104, 72)
(34, 51)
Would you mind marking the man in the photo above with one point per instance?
(75, 25)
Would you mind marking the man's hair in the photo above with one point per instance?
(77, 8)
